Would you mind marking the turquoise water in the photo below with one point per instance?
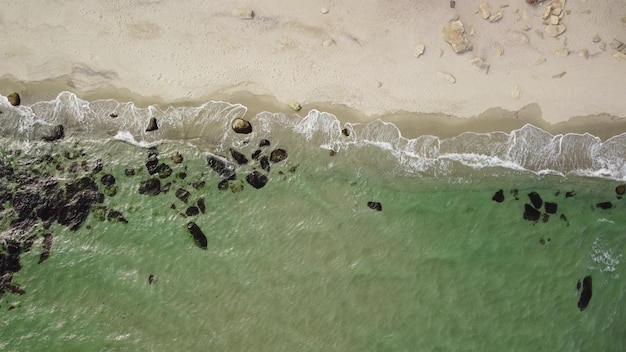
(303, 264)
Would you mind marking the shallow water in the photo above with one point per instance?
(303, 263)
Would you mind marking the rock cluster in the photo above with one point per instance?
(553, 15)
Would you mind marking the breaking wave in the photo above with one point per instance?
(378, 143)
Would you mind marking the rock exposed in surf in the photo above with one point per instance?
(256, 179)
(550, 207)
(198, 236)
(535, 199)
(14, 99)
(264, 143)
(530, 213)
(604, 205)
(152, 125)
(182, 194)
(151, 187)
(498, 196)
(222, 167)
(242, 126)
(585, 293)
(46, 245)
(239, 158)
(375, 205)
(58, 132)
(278, 155)
(345, 132)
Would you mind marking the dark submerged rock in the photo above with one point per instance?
(151, 279)
(182, 194)
(80, 196)
(181, 175)
(152, 125)
(58, 132)
(164, 170)
(107, 180)
(498, 196)
(116, 216)
(515, 194)
(222, 167)
(97, 168)
(604, 205)
(264, 143)
(198, 184)
(564, 218)
(535, 199)
(620, 190)
(110, 191)
(256, 179)
(585, 294)
(550, 207)
(151, 187)
(222, 185)
(201, 205)
(239, 158)
(256, 154)
(152, 164)
(264, 162)
(375, 205)
(242, 126)
(530, 213)
(198, 236)
(129, 172)
(570, 194)
(192, 211)
(46, 245)
(278, 155)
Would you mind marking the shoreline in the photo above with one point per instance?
(410, 124)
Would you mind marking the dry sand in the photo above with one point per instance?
(354, 58)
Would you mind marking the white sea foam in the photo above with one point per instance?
(208, 126)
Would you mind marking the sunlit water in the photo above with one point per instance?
(303, 264)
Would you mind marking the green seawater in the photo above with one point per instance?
(303, 264)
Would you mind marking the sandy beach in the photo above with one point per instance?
(558, 65)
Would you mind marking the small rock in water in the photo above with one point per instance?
(129, 172)
(198, 184)
(239, 158)
(150, 187)
(256, 179)
(201, 205)
(177, 158)
(116, 216)
(182, 194)
(264, 162)
(530, 213)
(564, 218)
(152, 125)
(535, 199)
(604, 205)
(498, 197)
(278, 155)
(256, 154)
(57, 133)
(152, 164)
(14, 99)
(164, 170)
(550, 207)
(345, 132)
(198, 236)
(264, 143)
(47, 244)
(375, 205)
(192, 211)
(151, 279)
(107, 180)
(242, 126)
(585, 294)
(620, 190)
(570, 194)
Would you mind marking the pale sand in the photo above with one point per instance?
(184, 52)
